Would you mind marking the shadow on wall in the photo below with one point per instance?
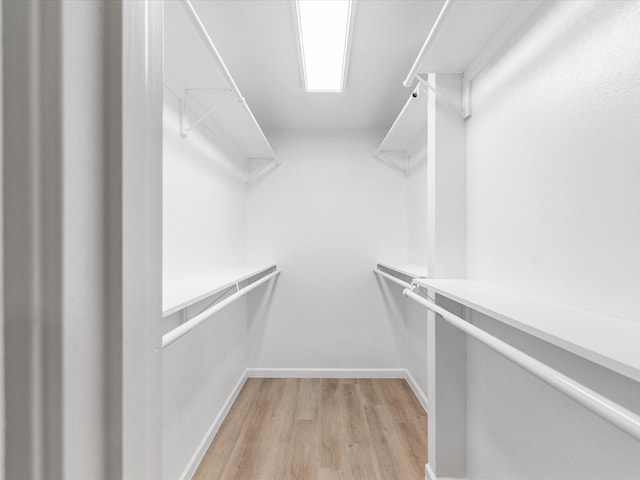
(258, 306)
(396, 311)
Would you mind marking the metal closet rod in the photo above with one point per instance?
(427, 44)
(181, 330)
(619, 416)
(213, 51)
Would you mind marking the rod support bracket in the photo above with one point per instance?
(185, 124)
(398, 160)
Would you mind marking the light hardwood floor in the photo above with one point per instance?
(320, 429)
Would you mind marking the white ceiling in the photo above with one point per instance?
(257, 40)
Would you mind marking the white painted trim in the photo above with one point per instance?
(326, 372)
(417, 391)
(197, 457)
(428, 473)
(134, 233)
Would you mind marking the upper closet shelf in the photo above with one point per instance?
(608, 341)
(467, 35)
(180, 295)
(408, 134)
(195, 71)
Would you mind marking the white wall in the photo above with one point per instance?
(199, 373)
(326, 216)
(553, 167)
(519, 427)
(204, 202)
(415, 316)
(204, 230)
(553, 209)
(417, 210)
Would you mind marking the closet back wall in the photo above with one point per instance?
(327, 216)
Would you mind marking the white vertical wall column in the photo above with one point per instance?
(139, 191)
(446, 387)
(446, 160)
(82, 196)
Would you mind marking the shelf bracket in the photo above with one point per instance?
(185, 125)
(397, 160)
(252, 174)
(443, 96)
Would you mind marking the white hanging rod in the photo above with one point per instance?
(427, 45)
(213, 51)
(181, 330)
(619, 416)
(391, 278)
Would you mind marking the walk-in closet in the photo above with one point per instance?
(321, 239)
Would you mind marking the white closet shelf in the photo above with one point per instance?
(195, 71)
(608, 341)
(401, 274)
(466, 36)
(180, 295)
(412, 270)
(408, 134)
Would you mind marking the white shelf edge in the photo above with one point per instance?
(483, 49)
(236, 275)
(501, 38)
(471, 293)
(414, 271)
(452, 12)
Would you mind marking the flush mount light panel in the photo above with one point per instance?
(324, 28)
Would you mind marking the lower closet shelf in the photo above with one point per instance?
(179, 295)
(608, 341)
(243, 283)
(402, 274)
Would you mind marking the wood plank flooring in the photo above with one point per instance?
(320, 429)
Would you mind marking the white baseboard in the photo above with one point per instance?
(417, 391)
(193, 464)
(428, 473)
(326, 373)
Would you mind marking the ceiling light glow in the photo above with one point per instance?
(324, 34)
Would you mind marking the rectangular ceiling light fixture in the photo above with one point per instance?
(323, 26)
